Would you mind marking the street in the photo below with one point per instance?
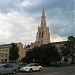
(53, 71)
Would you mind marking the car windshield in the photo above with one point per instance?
(29, 65)
(1, 66)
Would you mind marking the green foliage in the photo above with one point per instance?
(68, 49)
(13, 53)
(44, 54)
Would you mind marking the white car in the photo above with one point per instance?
(31, 67)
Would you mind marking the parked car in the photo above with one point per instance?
(22, 64)
(31, 67)
(7, 68)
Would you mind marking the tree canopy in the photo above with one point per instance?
(13, 52)
(45, 54)
(68, 49)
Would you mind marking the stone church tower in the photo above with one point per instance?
(43, 35)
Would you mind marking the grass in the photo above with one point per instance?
(60, 65)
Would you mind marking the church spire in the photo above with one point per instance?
(43, 35)
(43, 19)
(43, 12)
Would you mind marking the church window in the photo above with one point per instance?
(39, 34)
(42, 34)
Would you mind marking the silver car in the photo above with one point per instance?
(7, 68)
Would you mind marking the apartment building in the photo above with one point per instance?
(4, 52)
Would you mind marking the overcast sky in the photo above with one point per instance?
(19, 20)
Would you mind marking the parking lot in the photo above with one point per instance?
(53, 71)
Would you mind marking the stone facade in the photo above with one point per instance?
(4, 52)
(21, 51)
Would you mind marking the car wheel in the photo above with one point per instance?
(30, 70)
(0, 73)
(39, 69)
(13, 72)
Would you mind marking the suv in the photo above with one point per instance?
(7, 68)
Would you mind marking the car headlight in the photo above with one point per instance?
(22, 68)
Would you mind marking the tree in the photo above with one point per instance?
(44, 54)
(68, 49)
(13, 52)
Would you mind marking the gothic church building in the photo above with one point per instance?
(43, 34)
(43, 37)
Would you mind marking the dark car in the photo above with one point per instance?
(7, 68)
(21, 64)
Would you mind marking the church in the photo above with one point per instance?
(43, 36)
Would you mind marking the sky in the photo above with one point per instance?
(19, 20)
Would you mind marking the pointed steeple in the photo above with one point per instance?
(43, 12)
(43, 35)
(43, 19)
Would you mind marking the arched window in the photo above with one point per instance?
(42, 34)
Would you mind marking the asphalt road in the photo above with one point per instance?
(53, 71)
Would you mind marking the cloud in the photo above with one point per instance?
(19, 19)
(57, 38)
(17, 27)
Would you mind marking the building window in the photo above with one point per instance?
(6, 55)
(2, 55)
(42, 34)
(2, 60)
(2, 50)
(5, 60)
(6, 50)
